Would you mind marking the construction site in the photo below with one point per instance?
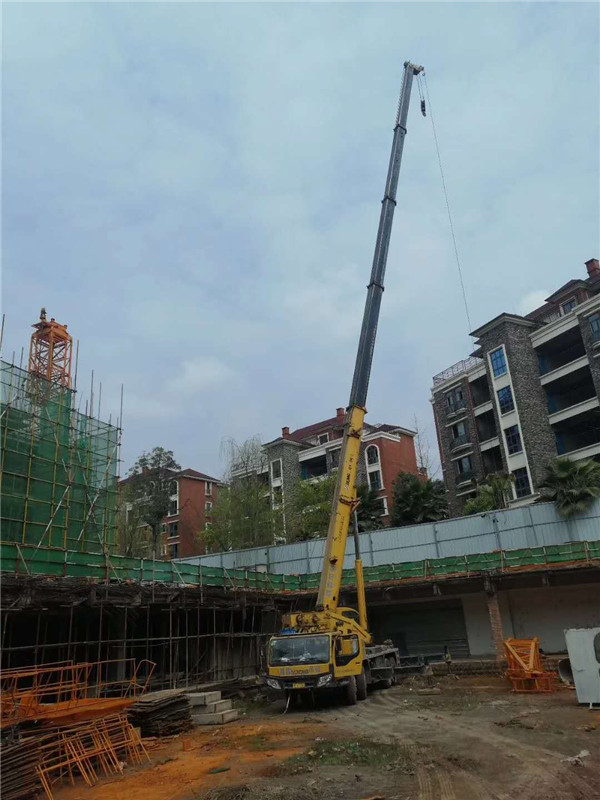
(450, 660)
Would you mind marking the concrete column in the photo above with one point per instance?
(496, 623)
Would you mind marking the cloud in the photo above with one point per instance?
(199, 374)
(195, 190)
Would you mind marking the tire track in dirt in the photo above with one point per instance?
(541, 768)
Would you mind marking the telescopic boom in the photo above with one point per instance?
(344, 500)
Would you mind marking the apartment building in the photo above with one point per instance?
(313, 452)
(528, 394)
(192, 497)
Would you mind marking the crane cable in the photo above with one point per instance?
(439, 158)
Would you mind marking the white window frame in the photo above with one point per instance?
(371, 472)
(280, 476)
(208, 507)
(174, 496)
(375, 464)
(322, 440)
(208, 488)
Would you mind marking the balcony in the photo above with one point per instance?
(486, 426)
(578, 432)
(570, 390)
(464, 477)
(480, 391)
(460, 441)
(492, 460)
(313, 468)
(560, 351)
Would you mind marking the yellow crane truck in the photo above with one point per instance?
(331, 646)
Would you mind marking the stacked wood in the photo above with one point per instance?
(18, 761)
(161, 713)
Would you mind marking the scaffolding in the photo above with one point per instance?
(59, 467)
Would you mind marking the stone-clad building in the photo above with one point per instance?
(528, 394)
(313, 452)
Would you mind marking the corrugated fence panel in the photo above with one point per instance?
(536, 525)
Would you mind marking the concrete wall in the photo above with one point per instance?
(536, 525)
(544, 612)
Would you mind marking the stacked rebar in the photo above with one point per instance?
(18, 762)
(162, 713)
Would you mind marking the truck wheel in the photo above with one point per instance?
(351, 691)
(361, 686)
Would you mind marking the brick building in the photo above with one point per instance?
(192, 498)
(313, 452)
(528, 394)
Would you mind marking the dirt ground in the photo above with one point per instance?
(473, 741)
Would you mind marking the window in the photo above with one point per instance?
(208, 487)
(173, 528)
(498, 362)
(456, 399)
(372, 454)
(513, 440)
(505, 400)
(173, 508)
(335, 457)
(173, 550)
(276, 469)
(464, 465)
(207, 526)
(208, 507)
(460, 429)
(277, 496)
(595, 326)
(522, 487)
(163, 527)
(173, 488)
(382, 503)
(375, 480)
(323, 438)
(569, 305)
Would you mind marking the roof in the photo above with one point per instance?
(184, 473)
(574, 283)
(503, 317)
(300, 435)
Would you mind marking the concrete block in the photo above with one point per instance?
(203, 698)
(219, 718)
(216, 708)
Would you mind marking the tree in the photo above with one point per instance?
(243, 515)
(571, 485)
(369, 509)
(150, 480)
(308, 509)
(133, 535)
(427, 461)
(494, 494)
(415, 500)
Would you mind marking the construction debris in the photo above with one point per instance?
(162, 713)
(18, 761)
(525, 670)
(65, 692)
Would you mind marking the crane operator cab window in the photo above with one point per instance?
(346, 649)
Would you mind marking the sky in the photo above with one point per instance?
(195, 190)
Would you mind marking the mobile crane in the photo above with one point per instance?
(331, 646)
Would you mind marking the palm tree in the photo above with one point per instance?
(416, 500)
(495, 493)
(571, 485)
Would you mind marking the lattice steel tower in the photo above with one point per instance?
(51, 351)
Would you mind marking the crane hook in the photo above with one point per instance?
(423, 109)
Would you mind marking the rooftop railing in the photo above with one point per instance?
(466, 365)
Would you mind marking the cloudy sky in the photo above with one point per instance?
(195, 190)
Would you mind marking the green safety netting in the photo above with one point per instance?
(26, 559)
(58, 471)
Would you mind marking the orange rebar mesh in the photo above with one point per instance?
(91, 749)
(66, 691)
(525, 671)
